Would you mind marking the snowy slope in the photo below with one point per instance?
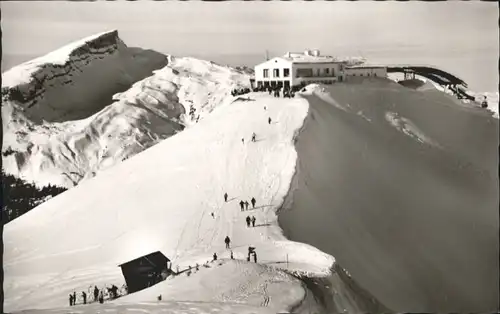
(162, 199)
(64, 153)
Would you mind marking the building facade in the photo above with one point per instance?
(366, 71)
(294, 69)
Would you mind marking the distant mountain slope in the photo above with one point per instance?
(43, 145)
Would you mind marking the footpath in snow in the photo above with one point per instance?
(162, 199)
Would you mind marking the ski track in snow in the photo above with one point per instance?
(160, 200)
(407, 127)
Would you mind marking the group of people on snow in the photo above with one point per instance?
(250, 221)
(244, 204)
(240, 91)
(286, 92)
(98, 295)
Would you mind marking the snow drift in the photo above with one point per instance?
(401, 186)
(41, 150)
(162, 199)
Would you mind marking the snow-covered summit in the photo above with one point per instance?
(77, 80)
(53, 137)
(26, 72)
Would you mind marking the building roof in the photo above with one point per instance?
(303, 58)
(155, 257)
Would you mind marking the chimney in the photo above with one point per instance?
(316, 53)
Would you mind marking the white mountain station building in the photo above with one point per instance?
(295, 69)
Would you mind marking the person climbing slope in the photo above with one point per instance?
(225, 197)
(84, 297)
(253, 202)
(241, 205)
(246, 205)
(70, 299)
(227, 241)
(74, 297)
(248, 221)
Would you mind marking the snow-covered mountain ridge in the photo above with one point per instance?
(162, 199)
(66, 152)
(78, 79)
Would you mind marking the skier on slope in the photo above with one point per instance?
(232, 257)
(84, 297)
(74, 297)
(253, 221)
(213, 215)
(225, 197)
(227, 241)
(246, 205)
(269, 120)
(215, 256)
(248, 221)
(253, 202)
(70, 299)
(241, 205)
(253, 137)
(243, 140)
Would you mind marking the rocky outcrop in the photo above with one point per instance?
(77, 80)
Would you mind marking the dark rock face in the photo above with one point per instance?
(85, 83)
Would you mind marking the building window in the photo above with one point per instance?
(276, 72)
(266, 73)
(333, 72)
(286, 72)
(304, 73)
(327, 71)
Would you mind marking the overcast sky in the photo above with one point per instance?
(239, 27)
(229, 28)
